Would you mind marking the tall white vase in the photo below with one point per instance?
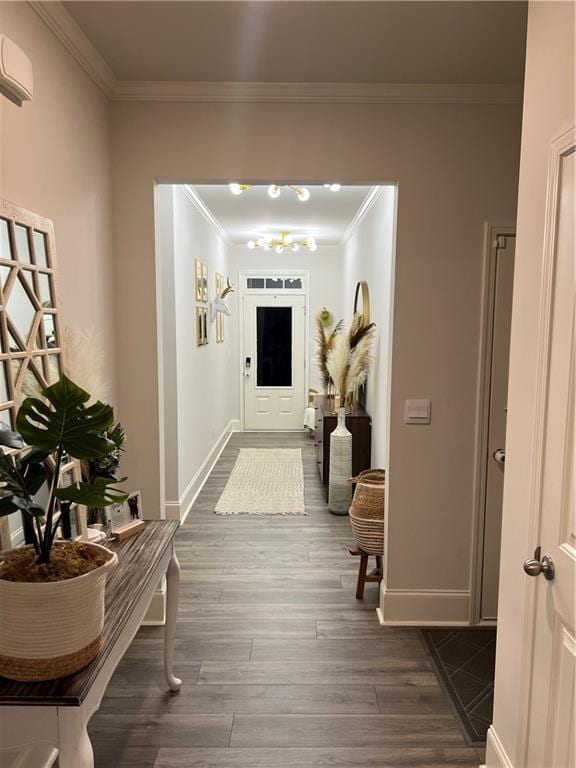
(339, 489)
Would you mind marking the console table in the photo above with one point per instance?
(58, 711)
(358, 422)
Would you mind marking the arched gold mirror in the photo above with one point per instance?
(362, 301)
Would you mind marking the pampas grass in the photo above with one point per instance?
(325, 341)
(350, 359)
(85, 362)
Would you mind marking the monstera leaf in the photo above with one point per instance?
(66, 422)
(20, 482)
(98, 493)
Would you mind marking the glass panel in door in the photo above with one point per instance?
(274, 346)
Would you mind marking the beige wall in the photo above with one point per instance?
(548, 111)
(55, 160)
(456, 167)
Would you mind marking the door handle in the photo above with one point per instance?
(534, 566)
(247, 365)
(499, 456)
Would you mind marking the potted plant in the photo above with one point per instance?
(52, 591)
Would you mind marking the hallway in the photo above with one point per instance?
(281, 666)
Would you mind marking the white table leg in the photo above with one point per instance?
(172, 589)
(74, 743)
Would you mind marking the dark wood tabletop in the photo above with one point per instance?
(138, 558)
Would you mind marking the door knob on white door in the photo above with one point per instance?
(534, 566)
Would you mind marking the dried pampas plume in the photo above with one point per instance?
(350, 360)
(325, 340)
(85, 362)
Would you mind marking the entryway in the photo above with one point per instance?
(273, 352)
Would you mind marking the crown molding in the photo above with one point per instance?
(373, 195)
(328, 93)
(193, 196)
(61, 23)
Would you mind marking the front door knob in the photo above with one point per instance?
(534, 566)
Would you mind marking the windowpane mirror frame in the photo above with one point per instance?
(30, 358)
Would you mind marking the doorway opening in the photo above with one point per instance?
(242, 272)
(274, 352)
(491, 418)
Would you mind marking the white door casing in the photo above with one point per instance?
(280, 405)
(500, 327)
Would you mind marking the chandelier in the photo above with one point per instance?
(284, 243)
(274, 190)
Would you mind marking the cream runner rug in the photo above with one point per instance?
(265, 481)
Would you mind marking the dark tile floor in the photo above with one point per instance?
(282, 666)
(465, 661)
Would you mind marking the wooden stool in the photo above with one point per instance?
(363, 576)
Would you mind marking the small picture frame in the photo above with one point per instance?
(204, 282)
(220, 283)
(201, 326)
(198, 273)
(118, 516)
(134, 504)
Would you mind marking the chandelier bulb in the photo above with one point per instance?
(274, 190)
(235, 188)
(303, 195)
(251, 244)
(279, 249)
(295, 247)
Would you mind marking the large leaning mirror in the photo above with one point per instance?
(31, 355)
(362, 301)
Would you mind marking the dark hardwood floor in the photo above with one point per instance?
(282, 667)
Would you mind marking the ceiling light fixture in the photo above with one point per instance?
(274, 190)
(284, 243)
(333, 187)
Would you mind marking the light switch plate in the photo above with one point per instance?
(417, 411)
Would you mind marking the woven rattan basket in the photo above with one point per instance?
(52, 629)
(367, 511)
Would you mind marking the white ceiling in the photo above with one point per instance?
(325, 216)
(314, 42)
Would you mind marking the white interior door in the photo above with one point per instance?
(552, 715)
(496, 443)
(274, 361)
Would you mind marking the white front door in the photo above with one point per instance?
(552, 687)
(496, 443)
(274, 360)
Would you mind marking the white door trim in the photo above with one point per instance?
(558, 148)
(491, 233)
(242, 291)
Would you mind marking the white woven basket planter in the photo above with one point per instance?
(339, 489)
(52, 629)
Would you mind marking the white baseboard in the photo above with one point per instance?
(496, 755)
(178, 510)
(424, 607)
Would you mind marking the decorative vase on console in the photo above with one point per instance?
(339, 489)
(348, 362)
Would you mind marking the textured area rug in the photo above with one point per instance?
(465, 661)
(265, 481)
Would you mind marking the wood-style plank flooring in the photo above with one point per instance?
(282, 667)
